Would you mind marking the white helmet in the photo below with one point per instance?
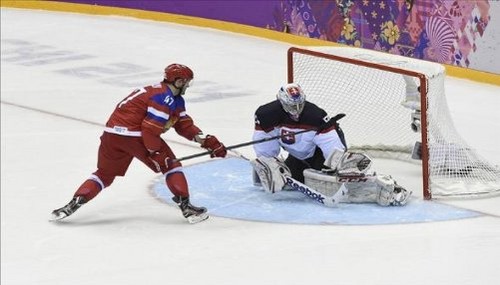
(293, 99)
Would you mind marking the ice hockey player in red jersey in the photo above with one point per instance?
(289, 114)
(133, 131)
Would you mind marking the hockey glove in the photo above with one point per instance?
(212, 144)
(161, 160)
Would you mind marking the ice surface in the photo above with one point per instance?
(61, 76)
(225, 187)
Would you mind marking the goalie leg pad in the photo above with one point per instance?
(385, 190)
(380, 189)
(323, 183)
(272, 173)
(256, 179)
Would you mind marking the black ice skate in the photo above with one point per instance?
(69, 209)
(191, 213)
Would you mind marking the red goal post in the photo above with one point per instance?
(376, 90)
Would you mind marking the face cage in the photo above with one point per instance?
(293, 109)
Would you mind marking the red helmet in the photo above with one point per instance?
(176, 71)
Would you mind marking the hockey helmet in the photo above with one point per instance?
(292, 99)
(178, 71)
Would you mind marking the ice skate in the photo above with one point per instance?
(191, 213)
(67, 210)
(400, 196)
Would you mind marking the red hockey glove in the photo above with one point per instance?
(160, 160)
(212, 144)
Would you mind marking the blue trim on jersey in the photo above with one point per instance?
(153, 117)
(175, 104)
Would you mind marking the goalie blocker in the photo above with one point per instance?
(345, 180)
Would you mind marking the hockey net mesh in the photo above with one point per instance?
(379, 124)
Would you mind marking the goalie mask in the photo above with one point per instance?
(179, 76)
(292, 99)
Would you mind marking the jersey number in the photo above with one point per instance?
(131, 97)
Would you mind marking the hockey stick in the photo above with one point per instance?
(244, 144)
(334, 119)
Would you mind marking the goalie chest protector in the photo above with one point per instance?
(272, 115)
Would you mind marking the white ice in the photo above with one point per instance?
(52, 114)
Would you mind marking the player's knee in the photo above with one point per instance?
(103, 178)
(173, 166)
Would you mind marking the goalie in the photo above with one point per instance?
(289, 114)
(317, 163)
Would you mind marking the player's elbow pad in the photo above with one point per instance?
(186, 128)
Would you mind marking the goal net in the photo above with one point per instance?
(396, 108)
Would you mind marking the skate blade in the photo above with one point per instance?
(55, 218)
(196, 219)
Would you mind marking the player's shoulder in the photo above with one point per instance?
(269, 115)
(270, 111)
(157, 88)
(313, 108)
(161, 95)
(313, 114)
(269, 107)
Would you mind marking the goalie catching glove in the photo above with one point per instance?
(212, 144)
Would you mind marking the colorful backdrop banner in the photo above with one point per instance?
(455, 32)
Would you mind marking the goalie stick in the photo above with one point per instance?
(329, 201)
(336, 118)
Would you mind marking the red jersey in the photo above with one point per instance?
(150, 111)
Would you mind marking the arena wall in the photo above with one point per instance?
(463, 35)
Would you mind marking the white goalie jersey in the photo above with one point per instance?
(347, 179)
